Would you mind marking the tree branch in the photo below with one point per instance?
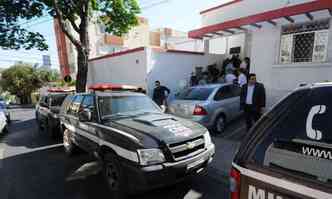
(61, 20)
(73, 24)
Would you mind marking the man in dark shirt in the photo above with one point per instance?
(159, 93)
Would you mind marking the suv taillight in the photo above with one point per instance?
(199, 110)
(235, 179)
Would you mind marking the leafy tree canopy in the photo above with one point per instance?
(117, 15)
(22, 79)
(74, 16)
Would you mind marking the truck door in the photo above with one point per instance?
(89, 129)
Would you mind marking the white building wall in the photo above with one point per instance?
(280, 79)
(174, 69)
(124, 69)
(245, 8)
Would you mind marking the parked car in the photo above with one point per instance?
(3, 122)
(288, 153)
(140, 146)
(4, 109)
(211, 105)
(47, 111)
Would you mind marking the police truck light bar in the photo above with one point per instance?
(110, 86)
(60, 90)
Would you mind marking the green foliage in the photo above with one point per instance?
(118, 15)
(22, 79)
(14, 36)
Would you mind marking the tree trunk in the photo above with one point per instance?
(83, 50)
(82, 70)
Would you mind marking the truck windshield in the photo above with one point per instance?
(57, 100)
(195, 93)
(118, 105)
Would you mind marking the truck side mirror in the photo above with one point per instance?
(85, 115)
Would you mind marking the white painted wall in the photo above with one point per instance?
(174, 69)
(245, 8)
(279, 79)
(222, 45)
(124, 69)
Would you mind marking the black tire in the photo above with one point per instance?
(114, 175)
(69, 146)
(220, 124)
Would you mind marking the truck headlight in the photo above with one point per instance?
(150, 156)
(207, 139)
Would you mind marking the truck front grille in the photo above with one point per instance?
(187, 149)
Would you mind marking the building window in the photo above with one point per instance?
(306, 42)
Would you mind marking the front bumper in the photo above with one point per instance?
(150, 177)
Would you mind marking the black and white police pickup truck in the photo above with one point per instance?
(47, 110)
(141, 147)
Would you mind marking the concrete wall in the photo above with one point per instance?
(123, 69)
(174, 69)
(245, 8)
(280, 79)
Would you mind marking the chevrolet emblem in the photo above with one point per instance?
(190, 145)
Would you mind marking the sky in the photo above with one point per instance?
(180, 15)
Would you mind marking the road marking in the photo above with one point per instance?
(238, 130)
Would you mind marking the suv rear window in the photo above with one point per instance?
(196, 93)
(297, 137)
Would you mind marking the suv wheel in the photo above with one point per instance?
(68, 143)
(220, 124)
(113, 174)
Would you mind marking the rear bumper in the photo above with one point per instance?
(203, 120)
(145, 178)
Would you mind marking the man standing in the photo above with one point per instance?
(159, 93)
(252, 100)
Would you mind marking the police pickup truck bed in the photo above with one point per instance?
(140, 147)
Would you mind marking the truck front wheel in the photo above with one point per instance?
(113, 174)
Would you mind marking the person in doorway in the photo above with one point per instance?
(252, 100)
(242, 79)
(160, 93)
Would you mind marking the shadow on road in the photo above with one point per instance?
(37, 174)
(26, 133)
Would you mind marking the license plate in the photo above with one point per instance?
(195, 164)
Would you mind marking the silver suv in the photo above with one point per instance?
(211, 105)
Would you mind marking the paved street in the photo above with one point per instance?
(33, 166)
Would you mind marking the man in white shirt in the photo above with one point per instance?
(230, 77)
(252, 100)
(242, 78)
